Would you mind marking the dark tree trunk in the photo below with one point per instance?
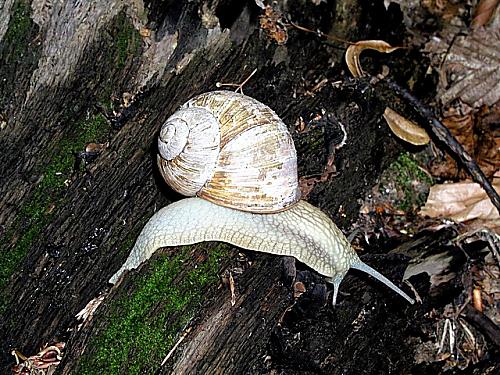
(109, 73)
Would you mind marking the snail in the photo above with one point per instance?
(236, 159)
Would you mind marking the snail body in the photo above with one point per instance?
(264, 217)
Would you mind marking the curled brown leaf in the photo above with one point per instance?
(405, 129)
(354, 51)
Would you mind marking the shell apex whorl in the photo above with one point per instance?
(173, 138)
(188, 148)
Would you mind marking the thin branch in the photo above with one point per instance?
(442, 133)
(320, 34)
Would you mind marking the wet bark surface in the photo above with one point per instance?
(109, 74)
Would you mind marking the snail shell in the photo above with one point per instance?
(232, 150)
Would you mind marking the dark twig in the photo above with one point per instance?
(484, 324)
(444, 135)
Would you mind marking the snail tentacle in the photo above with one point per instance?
(360, 266)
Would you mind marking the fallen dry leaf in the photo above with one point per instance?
(461, 125)
(484, 11)
(478, 133)
(43, 363)
(96, 147)
(405, 129)
(354, 51)
(274, 25)
(307, 183)
(460, 201)
(469, 70)
(487, 150)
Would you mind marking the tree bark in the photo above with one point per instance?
(85, 87)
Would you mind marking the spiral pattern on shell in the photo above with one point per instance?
(232, 150)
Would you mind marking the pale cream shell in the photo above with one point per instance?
(189, 146)
(256, 166)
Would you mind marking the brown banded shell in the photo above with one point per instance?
(231, 150)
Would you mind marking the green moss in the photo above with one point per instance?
(17, 36)
(410, 180)
(127, 41)
(142, 326)
(36, 214)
